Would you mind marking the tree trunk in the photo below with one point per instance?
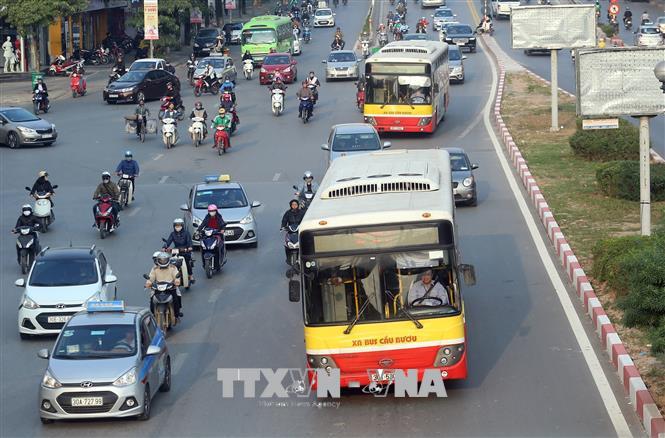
(34, 52)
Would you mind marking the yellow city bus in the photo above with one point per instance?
(378, 224)
(407, 86)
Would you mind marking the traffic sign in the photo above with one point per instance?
(614, 9)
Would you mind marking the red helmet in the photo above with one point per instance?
(226, 96)
(212, 207)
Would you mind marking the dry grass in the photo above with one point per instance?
(584, 214)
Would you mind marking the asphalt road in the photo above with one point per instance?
(540, 64)
(527, 374)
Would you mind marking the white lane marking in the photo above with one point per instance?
(163, 179)
(276, 177)
(471, 126)
(179, 360)
(600, 379)
(157, 157)
(134, 211)
(214, 296)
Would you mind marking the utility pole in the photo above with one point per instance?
(555, 89)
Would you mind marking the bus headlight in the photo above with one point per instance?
(449, 355)
(467, 182)
(319, 361)
(424, 121)
(370, 120)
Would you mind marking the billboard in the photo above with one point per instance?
(150, 19)
(553, 27)
(619, 82)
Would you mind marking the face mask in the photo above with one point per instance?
(213, 213)
(106, 181)
(128, 158)
(311, 76)
(26, 213)
(178, 229)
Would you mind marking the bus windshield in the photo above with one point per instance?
(381, 287)
(259, 36)
(398, 89)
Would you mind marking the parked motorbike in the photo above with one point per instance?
(40, 102)
(62, 66)
(78, 85)
(126, 190)
(169, 132)
(27, 247)
(162, 304)
(248, 68)
(104, 220)
(166, 100)
(42, 209)
(213, 251)
(292, 245)
(364, 44)
(277, 101)
(197, 130)
(200, 87)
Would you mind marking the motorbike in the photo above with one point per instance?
(78, 85)
(213, 251)
(27, 247)
(42, 209)
(200, 87)
(126, 190)
(383, 39)
(114, 75)
(162, 304)
(628, 23)
(360, 99)
(101, 56)
(296, 46)
(196, 130)
(307, 107)
(306, 34)
(277, 101)
(420, 28)
(221, 140)
(104, 220)
(305, 198)
(166, 100)
(62, 66)
(191, 68)
(180, 262)
(364, 44)
(169, 132)
(292, 245)
(248, 68)
(40, 102)
(337, 46)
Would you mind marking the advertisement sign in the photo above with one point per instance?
(553, 27)
(229, 4)
(196, 16)
(150, 19)
(619, 82)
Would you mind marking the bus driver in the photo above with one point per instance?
(425, 292)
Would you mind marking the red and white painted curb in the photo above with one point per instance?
(633, 384)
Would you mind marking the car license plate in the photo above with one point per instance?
(87, 401)
(385, 376)
(47, 136)
(57, 319)
(113, 95)
(462, 40)
(228, 232)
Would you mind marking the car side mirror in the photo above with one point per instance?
(469, 273)
(295, 187)
(386, 144)
(20, 282)
(55, 186)
(474, 166)
(325, 147)
(184, 207)
(43, 353)
(153, 350)
(294, 291)
(256, 204)
(27, 188)
(110, 278)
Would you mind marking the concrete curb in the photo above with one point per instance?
(634, 386)
(356, 46)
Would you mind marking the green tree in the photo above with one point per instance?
(171, 14)
(27, 16)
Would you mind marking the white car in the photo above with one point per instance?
(649, 36)
(432, 3)
(61, 283)
(324, 17)
(502, 8)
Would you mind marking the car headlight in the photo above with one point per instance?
(210, 44)
(247, 220)
(472, 38)
(29, 304)
(467, 182)
(129, 378)
(263, 70)
(48, 381)
(25, 130)
(196, 222)
(287, 70)
(53, 127)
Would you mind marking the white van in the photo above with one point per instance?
(501, 8)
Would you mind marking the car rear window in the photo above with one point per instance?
(222, 198)
(454, 55)
(355, 142)
(96, 342)
(51, 272)
(443, 13)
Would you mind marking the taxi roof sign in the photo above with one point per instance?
(106, 306)
(216, 178)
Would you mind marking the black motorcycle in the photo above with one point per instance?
(27, 247)
(213, 251)
(40, 102)
(292, 246)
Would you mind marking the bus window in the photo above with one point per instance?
(403, 89)
(258, 36)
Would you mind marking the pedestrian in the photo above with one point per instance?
(8, 53)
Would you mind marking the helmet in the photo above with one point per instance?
(154, 256)
(311, 73)
(26, 210)
(198, 105)
(222, 111)
(226, 96)
(43, 173)
(128, 154)
(178, 221)
(212, 207)
(106, 175)
(163, 259)
(307, 174)
(278, 78)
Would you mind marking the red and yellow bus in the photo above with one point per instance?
(378, 224)
(407, 86)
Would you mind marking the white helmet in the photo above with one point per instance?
(163, 260)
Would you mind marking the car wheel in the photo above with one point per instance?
(166, 385)
(145, 415)
(12, 140)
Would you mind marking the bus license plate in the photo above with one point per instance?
(397, 128)
(385, 376)
(87, 401)
(57, 319)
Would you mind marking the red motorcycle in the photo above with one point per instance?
(78, 85)
(62, 66)
(222, 140)
(104, 219)
(226, 102)
(201, 87)
(166, 101)
(360, 99)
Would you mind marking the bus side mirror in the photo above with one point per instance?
(469, 273)
(294, 291)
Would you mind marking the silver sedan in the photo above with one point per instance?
(342, 64)
(19, 127)
(464, 182)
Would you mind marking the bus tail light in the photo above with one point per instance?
(424, 121)
(449, 355)
(319, 361)
(370, 120)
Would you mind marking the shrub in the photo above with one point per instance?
(621, 179)
(608, 29)
(622, 143)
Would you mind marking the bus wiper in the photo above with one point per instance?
(408, 315)
(360, 312)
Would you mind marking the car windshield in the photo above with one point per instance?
(443, 13)
(142, 65)
(207, 33)
(259, 36)
(454, 55)
(96, 342)
(415, 36)
(341, 57)
(233, 26)
(457, 29)
(650, 30)
(222, 198)
(323, 12)
(356, 142)
(132, 76)
(276, 60)
(399, 89)
(459, 163)
(215, 62)
(19, 115)
(63, 272)
(379, 287)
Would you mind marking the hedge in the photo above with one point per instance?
(622, 143)
(634, 267)
(621, 179)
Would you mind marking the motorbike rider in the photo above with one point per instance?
(142, 112)
(277, 83)
(214, 221)
(314, 84)
(42, 184)
(164, 271)
(228, 86)
(107, 41)
(644, 18)
(130, 167)
(108, 187)
(27, 219)
(485, 24)
(191, 65)
(338, 43)
(308, 186)
(219, 45)
(627, 14)
(339, 34)
(174, 95)
(247, 56)
(181, 239)
(226, 102)
(199, 111)
(225, 121)
(292, 217)
(119, 66)
(40, 87)
(209, 76)
(304, 94)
